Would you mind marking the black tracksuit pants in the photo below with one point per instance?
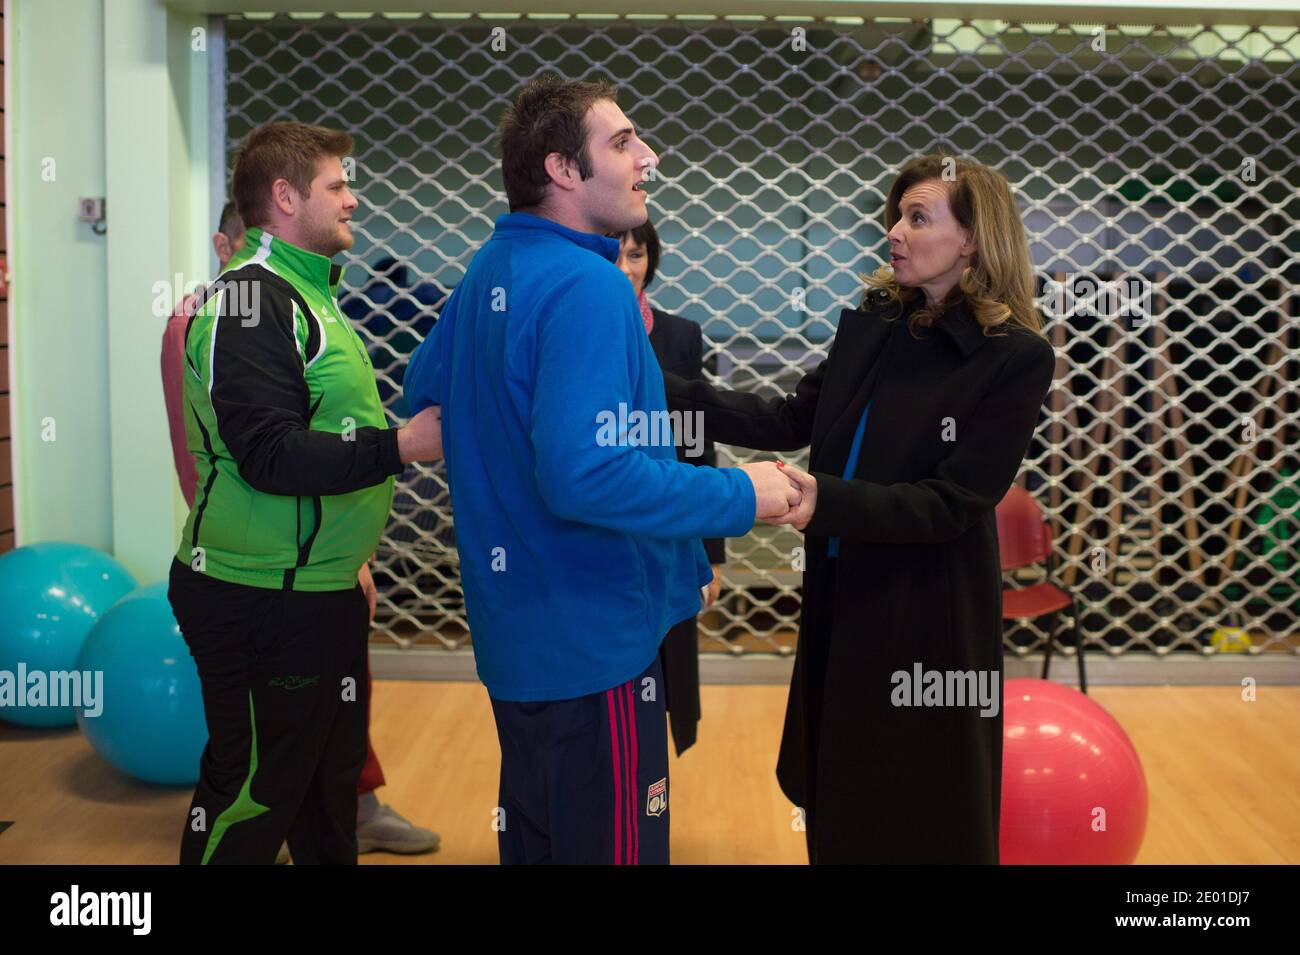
(286, 696)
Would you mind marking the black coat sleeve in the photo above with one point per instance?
(262, 406)
(750, 421)
(715, 547)
(968, 483)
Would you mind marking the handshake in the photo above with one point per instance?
(784, 494)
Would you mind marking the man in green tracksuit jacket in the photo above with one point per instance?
(295, 463)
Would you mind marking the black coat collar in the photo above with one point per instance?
(962, 327)
(958, 323)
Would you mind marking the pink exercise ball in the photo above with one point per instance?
(1073, 791)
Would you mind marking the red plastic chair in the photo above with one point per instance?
(1025, 538)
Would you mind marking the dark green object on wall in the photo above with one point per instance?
(1276, 518)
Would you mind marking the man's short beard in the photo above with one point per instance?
(328, 242)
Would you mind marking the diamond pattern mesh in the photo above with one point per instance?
(1159, 189)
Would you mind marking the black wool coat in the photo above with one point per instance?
(678, 344)
(917, 579)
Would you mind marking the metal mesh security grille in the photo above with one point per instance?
(1154, 166)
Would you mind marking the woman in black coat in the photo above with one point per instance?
(918, 421)
(678, 344)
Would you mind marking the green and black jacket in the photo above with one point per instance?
(295, 457)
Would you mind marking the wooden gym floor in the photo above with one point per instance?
(1224, 778)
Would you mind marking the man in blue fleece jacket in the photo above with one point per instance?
(578, 530)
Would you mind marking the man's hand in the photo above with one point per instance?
(713, 589)
(421, 439)
(799, 515)
(774, 492)
(368, 588)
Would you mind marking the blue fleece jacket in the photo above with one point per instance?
(578, 530)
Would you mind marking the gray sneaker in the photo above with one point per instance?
(386, 831)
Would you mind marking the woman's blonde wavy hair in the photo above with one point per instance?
(999, 282)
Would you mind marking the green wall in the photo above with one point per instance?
(118, 104)
(59, 267)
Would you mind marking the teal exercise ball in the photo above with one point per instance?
(51, 594)
(149, 721)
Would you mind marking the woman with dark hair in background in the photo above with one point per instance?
(678, 343)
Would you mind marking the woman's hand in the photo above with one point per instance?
(799, 515)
